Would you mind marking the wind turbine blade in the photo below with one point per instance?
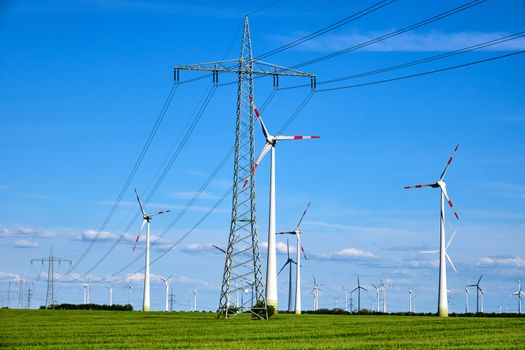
(140, 204)
(302, 250)
(258, 114)
(363, 288)
(451, 263)
(285, 233)
(448, 163)
(142, 226)
(135, 245)
(288, 247)
(222, 250)
(356, 288)
(419, 186)
(285, 138)
(444, 190)
(302, 216)
(429, 251)
(282, 268)
(451, 238)
(265, 150)
(159, 213)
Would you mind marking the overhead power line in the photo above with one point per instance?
(164, 172)
(131, 175)
(328, 28)
(394, 33)
(418, 61)
(423, 73)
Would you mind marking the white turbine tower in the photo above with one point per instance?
(195, 300)
(315, 293)
(297, 233)
(166, 282)
(85, 287)
(129, 287)
(466, 299)
(442, 294)
(110, 289)
(346, 298)
(519, 293)
(378, 291)
(384, 287)
(271, 269)
(146, 218)
(410, 300)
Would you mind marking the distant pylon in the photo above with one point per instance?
(51, 260)
(242, 267)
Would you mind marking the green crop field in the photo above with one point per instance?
(109, 329)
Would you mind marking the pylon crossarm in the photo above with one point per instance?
(233, 66)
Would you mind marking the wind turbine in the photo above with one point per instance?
(300, 248)
(442, 294)
(384, 287)
(271, 141)
(346, 298)
(478, 291)
(466, 299)
(289, 262)
(358, 288)
(110, 295)
(129, 286)
(166, 282)
(87, 291)
(195, 300)
(378, 290)
(315, 293)
(146, 218)
(411, 297)
(519, 293)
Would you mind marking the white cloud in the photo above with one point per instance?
(410, 42)
(35, 232)
(4, 232)
(280, 247)
(89, 235)
(25, 243)
(349, 253)
(9, 276)
(510, 261)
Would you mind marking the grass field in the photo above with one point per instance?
(109, 329)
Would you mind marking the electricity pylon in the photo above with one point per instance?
(242, 267)
(51, 260)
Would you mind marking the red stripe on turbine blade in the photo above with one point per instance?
(450, 203)
(256, 112)
(298, 137)
(457, 217)
(455, 149)
(316, 137)
(245, 182)
(418, 186)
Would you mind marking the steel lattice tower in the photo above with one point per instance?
(242, 267)
(51, 260)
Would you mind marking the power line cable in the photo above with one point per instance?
(394, 33)
(422, 73)
(328, 28)
(131, 175)
(416, 62)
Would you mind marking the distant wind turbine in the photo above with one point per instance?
(358, 288)
(146, 218)
(384, 287)
(300, 248)
(289, 262)
(519, 293)
(442, 294)
(479, 293)
(166, 282)
(110, 289)
(271, 141)
(378, 291)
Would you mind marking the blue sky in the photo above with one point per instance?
(81, 86)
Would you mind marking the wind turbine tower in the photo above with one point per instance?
(442, 293)
(110, 289)
(479, 293)
(242, 257)
(146, 218)
(166, 282)
(289, 262)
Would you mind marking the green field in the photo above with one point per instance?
(109, 329)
